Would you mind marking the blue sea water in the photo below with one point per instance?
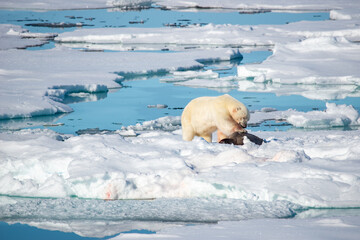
(149, 18)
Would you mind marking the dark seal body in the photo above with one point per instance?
(237, 138)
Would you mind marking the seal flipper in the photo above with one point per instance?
(237, 138)
(227, 141)
(254, 138)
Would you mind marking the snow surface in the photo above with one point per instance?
(312, 170)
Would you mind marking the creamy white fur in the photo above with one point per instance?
(204, 115)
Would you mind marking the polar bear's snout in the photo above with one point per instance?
(243, 123)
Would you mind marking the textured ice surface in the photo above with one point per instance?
(208, 210)
(318, 170)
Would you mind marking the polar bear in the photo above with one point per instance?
(204, 115)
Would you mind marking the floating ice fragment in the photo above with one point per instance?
(168, 123)
(268, 109)
(157, 106)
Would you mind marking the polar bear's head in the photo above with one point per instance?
(240, 114)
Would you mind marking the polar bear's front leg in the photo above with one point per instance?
(207, 137)
(220, 136)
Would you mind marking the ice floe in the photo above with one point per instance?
(13, 36)
(320, 61)
(302, 63)
(37, 87)
(297, 229)
(333, 116)
(245, 35)
(313, 170)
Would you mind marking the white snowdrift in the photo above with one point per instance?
(317, 170)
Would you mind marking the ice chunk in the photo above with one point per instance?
(333, 116)
(157, 106)
(168, 123)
